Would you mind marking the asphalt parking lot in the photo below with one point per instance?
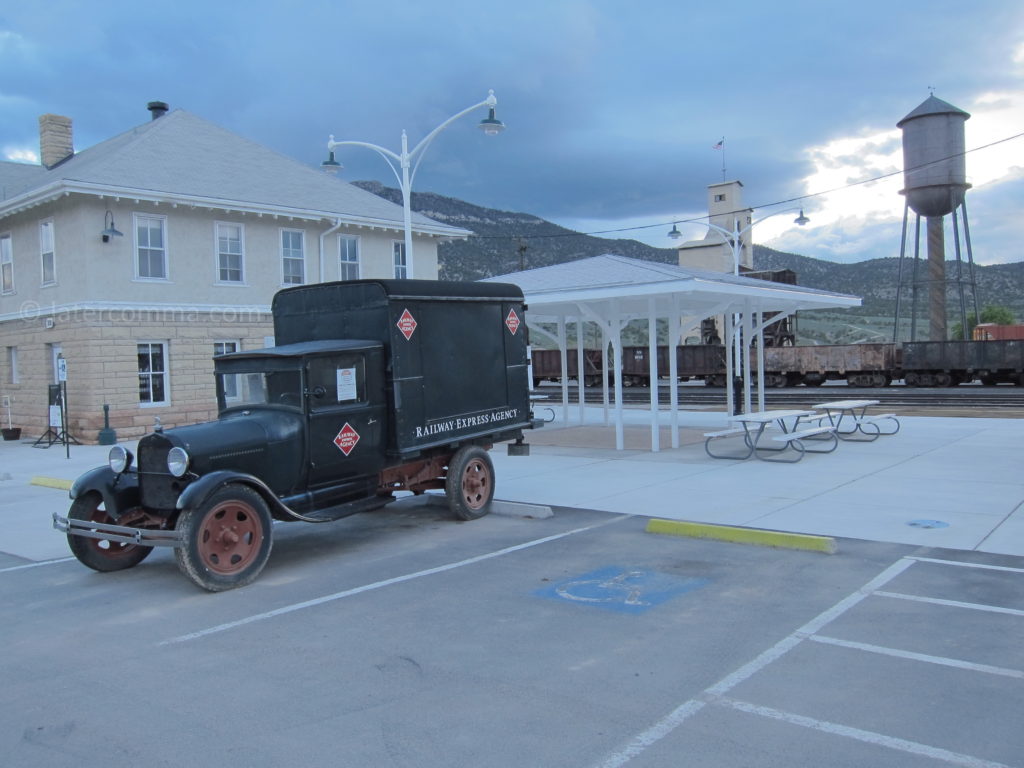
(402, 638)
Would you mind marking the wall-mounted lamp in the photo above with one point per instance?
(109, 230)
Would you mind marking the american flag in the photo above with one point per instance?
(719, 145)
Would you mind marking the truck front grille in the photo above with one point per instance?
(158, 488)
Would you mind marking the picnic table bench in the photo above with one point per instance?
(850, 419)
(793, 436)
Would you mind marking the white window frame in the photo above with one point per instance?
(6, 264)
(137, 219)
(47, 248)
(349, 245)
(165, 374)
(219, 254)
(12, 364)
(288, 255)
(220, 347)
(399, 262)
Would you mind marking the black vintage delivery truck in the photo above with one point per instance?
(375, 386)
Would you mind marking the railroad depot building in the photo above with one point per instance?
(138, 259)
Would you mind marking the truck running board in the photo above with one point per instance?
(330, 514)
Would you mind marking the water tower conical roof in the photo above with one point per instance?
(932, 106)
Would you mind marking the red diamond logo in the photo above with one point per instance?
(346, 439)
(512, 321)
(407, 324)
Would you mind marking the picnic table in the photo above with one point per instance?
(793, 436)
(850, 419)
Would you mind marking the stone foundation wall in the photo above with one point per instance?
(101, 351)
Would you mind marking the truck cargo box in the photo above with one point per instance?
(455, 352)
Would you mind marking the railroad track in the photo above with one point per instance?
(964, 401)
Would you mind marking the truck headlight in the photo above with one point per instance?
(120, 459)
(177, 461)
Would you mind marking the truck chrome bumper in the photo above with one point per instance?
(119, 533)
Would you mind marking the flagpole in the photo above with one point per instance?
(721, 145)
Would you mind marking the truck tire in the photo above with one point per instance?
(470, 483)
(100, 554)
(227, 539)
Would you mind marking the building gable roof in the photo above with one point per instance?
(184, 159)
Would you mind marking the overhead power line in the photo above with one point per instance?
(797, 199)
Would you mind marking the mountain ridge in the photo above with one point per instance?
(508, 241)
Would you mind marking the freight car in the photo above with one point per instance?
(919, 364)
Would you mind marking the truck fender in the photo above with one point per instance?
(120, 492)
(199, 491)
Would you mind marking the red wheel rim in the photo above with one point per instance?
(476, 483)
(230, 537)
(104, 547)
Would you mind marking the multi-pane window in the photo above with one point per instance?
(293, 257)
(151, 247)
(153, 373)
(46, 253)
(401, 268)
(348, 249)
(229, 253)
(6, 265)
(230, 382)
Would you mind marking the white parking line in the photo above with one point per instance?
(870, 737)
(678, 716)
(962, 564)
(952, 603)
(940, 660)
(716, 693)
(35, 565)
(385, 583)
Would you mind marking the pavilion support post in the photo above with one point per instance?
(730, 361)
(581, 371)
(758, 318)
(564, 359)
(652, 355)
(616, 366)
(675, 324)
(606, 373)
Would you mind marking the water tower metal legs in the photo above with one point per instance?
(935, 281)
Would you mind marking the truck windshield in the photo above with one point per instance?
(241, 390)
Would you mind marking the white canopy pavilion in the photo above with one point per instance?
(610, 291)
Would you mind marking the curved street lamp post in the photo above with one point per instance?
(405, 164)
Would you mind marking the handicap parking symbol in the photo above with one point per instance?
(623, 590)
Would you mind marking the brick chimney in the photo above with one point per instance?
(55, 142)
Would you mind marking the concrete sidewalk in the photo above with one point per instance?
(942, 482)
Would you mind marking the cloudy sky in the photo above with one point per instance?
(612, 106)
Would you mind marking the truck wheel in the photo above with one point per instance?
(470, 483)
(227, 539)
(100, 554)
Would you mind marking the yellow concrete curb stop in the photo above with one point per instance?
(756, 536)
(52, 482)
